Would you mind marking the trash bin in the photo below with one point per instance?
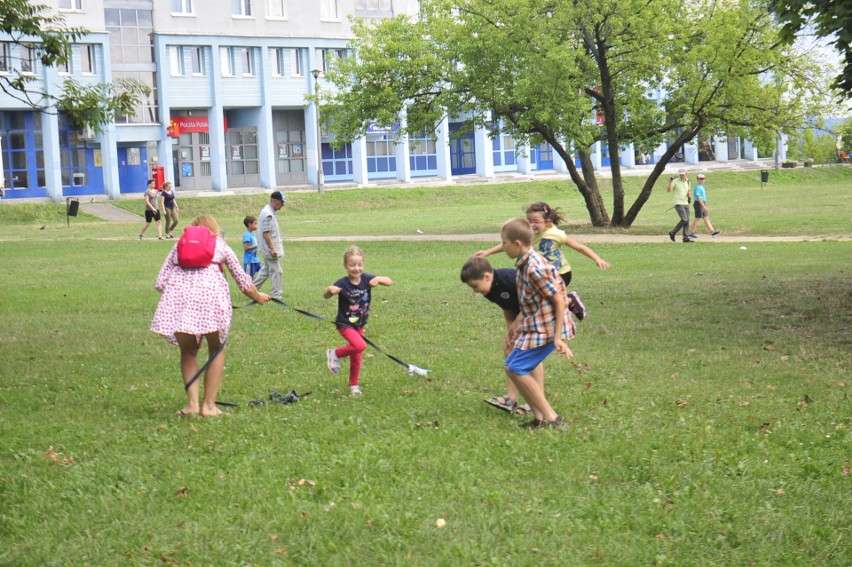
(764, 176)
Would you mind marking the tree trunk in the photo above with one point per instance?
(594, 204)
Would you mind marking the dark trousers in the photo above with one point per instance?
(683, 213)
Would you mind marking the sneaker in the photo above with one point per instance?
(672, 236)
(332, 361)
(687, 240)
(576, 306)
(716, 233)
(140, 237)
(355, 391)
(692, 235)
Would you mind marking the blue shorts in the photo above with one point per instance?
(522, 362)
(251, 269)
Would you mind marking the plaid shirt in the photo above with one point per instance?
(538, 281)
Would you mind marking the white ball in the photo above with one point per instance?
(440, 523)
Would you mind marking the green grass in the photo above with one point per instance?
(804, 201)
(708, 404)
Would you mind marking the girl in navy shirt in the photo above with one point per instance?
(353, 309)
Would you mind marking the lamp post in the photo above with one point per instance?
(320, 178)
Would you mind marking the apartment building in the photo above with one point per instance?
(227, 107)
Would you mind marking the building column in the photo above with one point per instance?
(359, 161)
(559, 163)
(312, 140)
(524, 159)
(720, 147)
(749, 150)
(690, 153)
(218, 148)
(781, 147)
(628, 156)
(109, 162)
(442, 146)
(50, 139)
(596, 156)
(266, 155)
(484, 153)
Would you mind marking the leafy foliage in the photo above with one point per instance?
(830, 19)
(37, 28)
(544, 70)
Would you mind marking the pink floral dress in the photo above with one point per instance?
(198, 301)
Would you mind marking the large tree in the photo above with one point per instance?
(545, 70)
(829, 19)
(40, 31)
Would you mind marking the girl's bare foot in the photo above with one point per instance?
(187, 411)
(211, 411)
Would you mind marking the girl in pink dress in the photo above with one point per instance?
(196, 304)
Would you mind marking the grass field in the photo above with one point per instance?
(708, 400)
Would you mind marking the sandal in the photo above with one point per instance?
(504, 403)
(522, 410)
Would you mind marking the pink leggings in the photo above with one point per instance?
(356, 346)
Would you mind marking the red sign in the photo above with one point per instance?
(182, 124)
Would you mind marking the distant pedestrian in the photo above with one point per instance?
(251, 264)
(170, 208)
(152, 209)
(353, 308)
(681, 197)
(699, 205)
(270, 247)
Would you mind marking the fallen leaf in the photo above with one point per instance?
(778, 491)
(593, 478)
(768, 347)
(681, 403)
(181, 492)
(660, 536)
(764, 426)
(273, 537)
(745, 404)
(281, 550)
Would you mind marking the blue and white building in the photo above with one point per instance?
(227, 107)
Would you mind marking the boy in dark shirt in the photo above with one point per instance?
(499, 287)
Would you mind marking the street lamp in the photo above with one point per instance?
(320, 178)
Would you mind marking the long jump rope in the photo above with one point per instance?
(410, 368)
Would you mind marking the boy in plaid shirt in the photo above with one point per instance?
(544, 324)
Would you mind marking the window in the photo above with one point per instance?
(183, 7)
(247, 61)
(329, 57)
(71, 5)
(5, 58)
(373, 5)
(227, 61)
(296, 62)
(196, 60)
(276, 9)
(129, 35)
(87, 59)
(277, 55)
(241, 8)
(329, 10)
(176, 60)
(28, 59)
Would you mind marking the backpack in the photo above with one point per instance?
(196, 247)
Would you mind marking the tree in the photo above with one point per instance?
(830, 19)
(46, 37)
(544, 70)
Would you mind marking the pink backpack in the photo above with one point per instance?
(196, 247)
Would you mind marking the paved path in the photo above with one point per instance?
(109, 212)
(585, 238)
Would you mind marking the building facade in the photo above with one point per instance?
(227, 106)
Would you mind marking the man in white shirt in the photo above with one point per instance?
(270, 247)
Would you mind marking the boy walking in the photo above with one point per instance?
(544, 324)
(251, 264)
(700, 206)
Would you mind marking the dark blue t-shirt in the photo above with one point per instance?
(353, 302)
(504, 290)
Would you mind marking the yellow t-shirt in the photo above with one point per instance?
(549, 243)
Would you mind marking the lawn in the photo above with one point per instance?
(708, 400)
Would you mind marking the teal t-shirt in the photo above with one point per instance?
(699, 193)
(250, 256)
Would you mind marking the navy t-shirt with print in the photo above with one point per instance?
(353, 301)
(504, 290)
